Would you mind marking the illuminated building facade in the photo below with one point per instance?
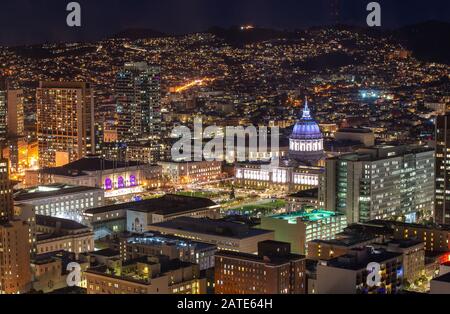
(275, 270)
(65, 122)
(347, 274)
(382, 182)
(55, 234)
(146, 275)
(298, 228)
(301, 170)
(60, 200)
(173, 247)
(306, 140)
(114, 177)
(137, 91)
(183, 172)
(442, 136)
(15, 271)
(6, 201)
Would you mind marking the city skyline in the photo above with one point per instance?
(242, 160)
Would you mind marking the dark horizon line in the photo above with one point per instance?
(168, 34)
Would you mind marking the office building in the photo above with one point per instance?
(55, 234)
(298, 228)
(6, 200)
(116, 178)
(183, 172)
(226, 235)
(137, 91)
(138, 216)
(15, 271)
(65, 122)
(300, 170)
(153, 244)
(60, 200)
(442, 168)
(382, 182)
(146, 275)
(347, 274)
(15, 114)
(275, 270)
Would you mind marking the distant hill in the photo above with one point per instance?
(429, 41)
(238, 37)
(139, 33)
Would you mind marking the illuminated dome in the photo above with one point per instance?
(306, 140)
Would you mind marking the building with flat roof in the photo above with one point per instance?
(116, 178)
(226, 235)
(138, 215)
(298, 228)
(382, 182)
(328, 249)
(146, 275)
(188, 172)
(15, 271)
(364, 136)
(151, 244)
(347, 274)
(55, 234)
(60, 200)
(303, 199)
(274, 270)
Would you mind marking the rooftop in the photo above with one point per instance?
(164, 205)
(212, 227)
(55, 222)
(88, 164)
(315, 215)
(50, 190)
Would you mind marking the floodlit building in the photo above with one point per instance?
(116, 178)
(65, 122)
(382, 182)
(146, 275)
(153, 244)
(301, 170)
(347, 274)
(274, 270)
(60, 200)
(298, 228)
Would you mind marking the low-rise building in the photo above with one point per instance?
(275, 270)
(55, 234)
(60, 200)
(146, 275)
(347, 274)
(298, 228)
(225, 235)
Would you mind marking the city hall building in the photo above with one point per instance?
(300, 171)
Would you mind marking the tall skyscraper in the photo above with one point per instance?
(442, 202)
(6, 201)
(137, 90)
(15, 273)
(3, 110)
(382, 182)
(15, 112)
(65, 122)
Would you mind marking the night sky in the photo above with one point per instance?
(37, 21)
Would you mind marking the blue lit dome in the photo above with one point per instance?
(306, 127)
(306, 140)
